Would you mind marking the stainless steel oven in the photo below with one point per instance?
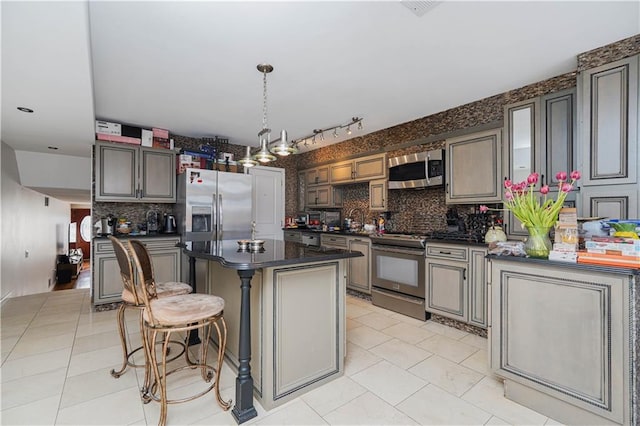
(398, 275)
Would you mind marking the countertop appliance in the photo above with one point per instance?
(415, 171)
(108, 225)
(212, 205)
(398, 273)
(169, 224)
(153, 222)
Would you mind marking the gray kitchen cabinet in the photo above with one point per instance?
(610, 201)
(456, 285)
(361, 169)
(323, 196)
(447, 289)
(522, 137)
(609, 123)
(378, 194)
(359, 268)
(302, 190)
(539, 138)
(562, 338)
(106, 280)
(474, 168)
(133, 173)
(478, 290)
(556, 151)
(317, 176)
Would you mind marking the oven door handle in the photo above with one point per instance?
(397, 250)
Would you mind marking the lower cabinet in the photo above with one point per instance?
(106, 280)
(456, 282)
(563, 337)
(358, 268)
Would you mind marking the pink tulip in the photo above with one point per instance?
(508, 196)
(544, 190)
(484, 209)
(508, 183)
(532, 179)
(575, 175)
(566, 187)
(561, 176)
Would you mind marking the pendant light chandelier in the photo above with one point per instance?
(281, 147)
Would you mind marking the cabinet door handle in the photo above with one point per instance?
(464, 274)
(542, 179)
(447, 189)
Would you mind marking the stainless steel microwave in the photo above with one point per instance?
(414, 171)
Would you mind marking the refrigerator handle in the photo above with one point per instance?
(220, 227)
(214, 224)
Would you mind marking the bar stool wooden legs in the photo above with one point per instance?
(131, 300)
(169, 315)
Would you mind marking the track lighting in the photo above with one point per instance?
(320, 132)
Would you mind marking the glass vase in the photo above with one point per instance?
(538, 244)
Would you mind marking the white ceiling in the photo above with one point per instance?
(190, 67)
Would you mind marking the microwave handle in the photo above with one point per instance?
(428, 159)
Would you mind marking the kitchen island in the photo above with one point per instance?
(287, 336)
(565, 337)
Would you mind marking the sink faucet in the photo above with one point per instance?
(359, 210)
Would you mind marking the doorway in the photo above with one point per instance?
(82, 220)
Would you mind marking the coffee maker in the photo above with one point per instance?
(107, 225)
(153, 222)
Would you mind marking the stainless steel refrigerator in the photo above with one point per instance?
(212, 205)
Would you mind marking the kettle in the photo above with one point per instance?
(169, 224)
(495, 234)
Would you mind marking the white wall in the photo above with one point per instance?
(27, 225)
(42, 170)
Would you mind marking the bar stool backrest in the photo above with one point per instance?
(146, 284)
(126, 270)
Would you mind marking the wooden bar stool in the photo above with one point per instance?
(132, 299)
(182, 313)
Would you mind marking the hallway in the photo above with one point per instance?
(83, 280)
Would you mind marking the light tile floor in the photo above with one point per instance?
(57, 354)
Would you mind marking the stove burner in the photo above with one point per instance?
(455, 236)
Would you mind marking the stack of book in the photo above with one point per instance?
(611, 251)
(566, 237)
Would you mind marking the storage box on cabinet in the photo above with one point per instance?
(134, 173)
(106, 280)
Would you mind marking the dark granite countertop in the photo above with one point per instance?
(320, 231)
(275, 253)
(568, 265)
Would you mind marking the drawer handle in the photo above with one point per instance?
(445, 252)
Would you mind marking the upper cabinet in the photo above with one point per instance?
(133, 173)
(317, 176)
(609, 123)
(540, 137)
(361, 169)
(522, 136)
(474, 168)
(378, 191)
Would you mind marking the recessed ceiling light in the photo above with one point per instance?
(25, 109)
(52, 147)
